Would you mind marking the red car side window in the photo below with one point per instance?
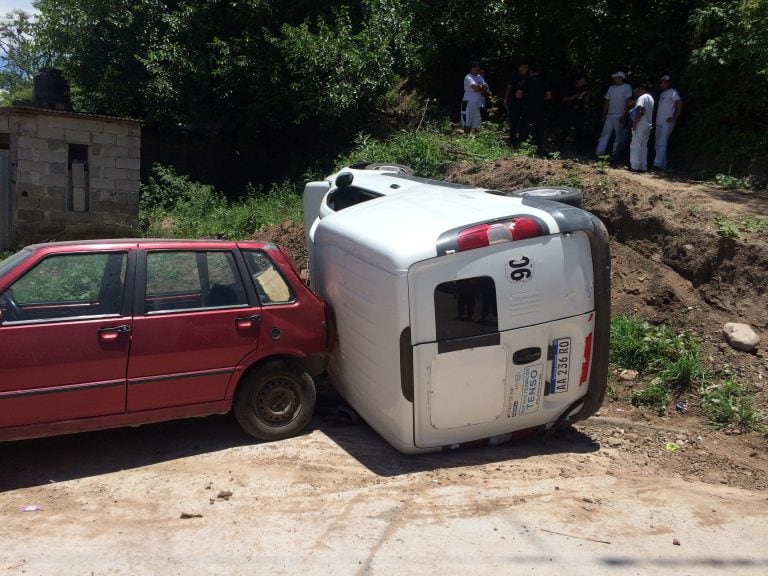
(189, 279)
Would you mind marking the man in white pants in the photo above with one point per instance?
(475, 90)
(669, 108)
(613, 108)
(642, 115)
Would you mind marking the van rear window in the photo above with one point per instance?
(465, 308)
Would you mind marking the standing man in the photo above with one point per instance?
(536, 95)
(642, 119)
(670, 107)
(513, 102)
(613, 108)
(475, 90)
(574, 112)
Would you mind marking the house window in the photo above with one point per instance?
(78, 198)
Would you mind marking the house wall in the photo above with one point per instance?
(48, 192)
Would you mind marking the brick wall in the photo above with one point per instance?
(72, 175)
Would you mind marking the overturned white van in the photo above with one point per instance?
(463, 315)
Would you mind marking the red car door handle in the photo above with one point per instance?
(111, 333)
(244, 322)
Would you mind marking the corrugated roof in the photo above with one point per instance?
(34, 110)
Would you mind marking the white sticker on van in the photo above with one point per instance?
(532, 377)
(519, 268)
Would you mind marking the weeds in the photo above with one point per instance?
(571, 179)
(177, 207)
(655, 395)
(730, 405)
(730, 182)
(428, 152)
(602, 163)
(741, 226)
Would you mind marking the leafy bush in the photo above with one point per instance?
(739, 226)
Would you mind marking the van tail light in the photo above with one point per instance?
(483, 235)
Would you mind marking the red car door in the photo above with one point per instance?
(196, 327)
(64, 338)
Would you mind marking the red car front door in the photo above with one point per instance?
(64, 351)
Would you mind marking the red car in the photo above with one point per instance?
(109, 333)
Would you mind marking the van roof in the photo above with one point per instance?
(402, 226)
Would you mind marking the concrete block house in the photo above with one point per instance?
(65, 174)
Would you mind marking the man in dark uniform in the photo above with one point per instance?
(513, 104)
(536, 94)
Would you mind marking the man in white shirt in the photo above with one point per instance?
(642, 120)
(475, 90)
(613, 108)
(669, 108)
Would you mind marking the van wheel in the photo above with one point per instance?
(386, 166)
(562, 194)
(275, 401)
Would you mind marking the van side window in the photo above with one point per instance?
(270, 284)
(465, 308)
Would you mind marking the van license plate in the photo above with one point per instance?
(561, 364)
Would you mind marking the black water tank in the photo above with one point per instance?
(50, 90)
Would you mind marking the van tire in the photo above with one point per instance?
(275, 401)
(562, 194)
(397, 168)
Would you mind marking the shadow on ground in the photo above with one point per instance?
(41, 461)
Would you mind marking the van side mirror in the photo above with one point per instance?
(344, 179)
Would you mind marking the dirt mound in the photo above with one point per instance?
(669, 265)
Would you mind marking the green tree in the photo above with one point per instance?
(727, 76)
(21, 56)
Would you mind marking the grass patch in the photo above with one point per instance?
(429, 151)
(672, 359)
(731, 405)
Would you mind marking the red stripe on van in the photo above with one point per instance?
(587, 358)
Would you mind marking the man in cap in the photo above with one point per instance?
(613, 107)
(669, 107)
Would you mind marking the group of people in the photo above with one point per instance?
(627, 113)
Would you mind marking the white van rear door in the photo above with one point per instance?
(489, 326)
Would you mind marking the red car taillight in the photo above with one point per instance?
(487, 234)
